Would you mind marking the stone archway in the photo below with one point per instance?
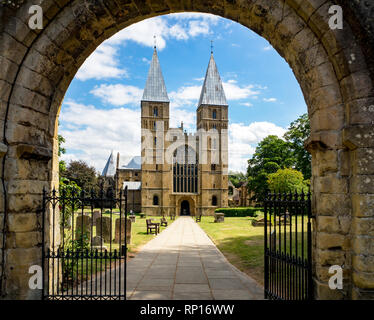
(334, 68)
(185, 208)
(186, 203)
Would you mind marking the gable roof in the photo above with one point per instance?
(135, 163)
(155, 89)
(212, 92)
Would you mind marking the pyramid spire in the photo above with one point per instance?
(110, 168)
(155, 89)
(212, 92)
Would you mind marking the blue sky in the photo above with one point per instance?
(101, 109)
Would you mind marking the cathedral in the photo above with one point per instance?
(178, 172)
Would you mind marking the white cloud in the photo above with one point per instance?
(189, 95)
(267, 48)
(118, 94)
(177, 32)
(184, 96)
(165, 28)
(92, 133)
(101, 64)
(97, 132)
(198, 27)
(145, 60)
(235, 92)
(247, 104)
(270, 99)
(243, 138)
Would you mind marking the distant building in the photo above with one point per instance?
(241, 196)
(183, 186)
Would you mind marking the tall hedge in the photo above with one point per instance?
(239, 212)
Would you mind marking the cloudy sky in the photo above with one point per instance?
(101, 109)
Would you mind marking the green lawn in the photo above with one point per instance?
(242, 243)
(81, 269)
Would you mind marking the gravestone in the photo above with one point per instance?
(103, 228)
(132, 218)
(97, 241)
(82, 226)
(96, 214)
(219, 217)
(260, 222)
(120, 227)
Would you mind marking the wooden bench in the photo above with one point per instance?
(152, 227)
(164, 222)
(198, 218)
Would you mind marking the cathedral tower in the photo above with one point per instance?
(154, 114)
(212, 126)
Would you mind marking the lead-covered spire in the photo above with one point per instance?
(110, 168)
(212, 92)
(155, 89)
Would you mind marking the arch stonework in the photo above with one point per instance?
(333, 67)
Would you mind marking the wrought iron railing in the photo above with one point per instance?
(288, 246)
(84, 244)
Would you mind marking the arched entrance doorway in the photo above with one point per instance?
(185, 208)
(330, 65)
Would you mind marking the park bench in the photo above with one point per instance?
(198, 218)
(152, 226)
(164, 222)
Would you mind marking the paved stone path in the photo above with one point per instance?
(182, 263)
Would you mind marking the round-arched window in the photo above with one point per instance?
(214, 201)
(155, 200)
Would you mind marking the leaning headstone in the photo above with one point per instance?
(219, 217)
(103, 228)
(97, 241)
(82, 226)
(120, 230)
(260, 222)
(96, 214)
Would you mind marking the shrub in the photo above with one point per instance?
(239, 212)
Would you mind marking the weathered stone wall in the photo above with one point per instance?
(335, 72)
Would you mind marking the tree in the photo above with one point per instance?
(61, 151)
(237, 178)
(287, 180)
(296, 135)
(82, 174)
(271, 154)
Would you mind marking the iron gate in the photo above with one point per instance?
(288, 246)
(84, 245)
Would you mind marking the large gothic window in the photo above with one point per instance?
(185, 170)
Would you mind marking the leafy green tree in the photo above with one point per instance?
(296, 135)
(61, 151)
(82, 174)
(237, 178)
(271, 154)
(287, 180)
